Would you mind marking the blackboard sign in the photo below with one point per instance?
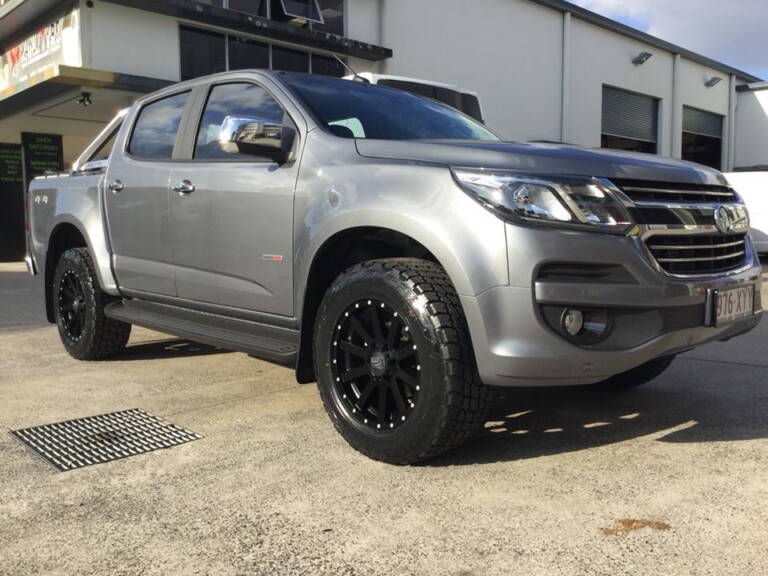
(11, 204)
(10, 164)
(42, 153)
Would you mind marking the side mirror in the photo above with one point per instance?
(257, 137)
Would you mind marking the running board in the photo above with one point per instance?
(279, 345)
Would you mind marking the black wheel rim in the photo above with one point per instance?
(375, 365)
(72, 307)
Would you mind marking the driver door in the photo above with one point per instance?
(231, 213)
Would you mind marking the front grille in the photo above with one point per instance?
(691, 255)
(640, 191)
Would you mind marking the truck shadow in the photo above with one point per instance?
(677, 407)
(166, 349)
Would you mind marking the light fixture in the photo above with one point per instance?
(641, 58)
(714, 81)
(85, 99)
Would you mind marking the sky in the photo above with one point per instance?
(734, 32)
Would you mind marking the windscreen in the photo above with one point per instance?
(359, 110)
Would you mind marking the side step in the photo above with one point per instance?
(279, 345)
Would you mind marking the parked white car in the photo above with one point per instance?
(753, 188)
(461, 99)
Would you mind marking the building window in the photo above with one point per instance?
(302, 9)
(630, 121)
(202, 52)
(702, 137)
(322, 15)
(255, 7)
(289, 60)
(333, 16)
(245, 53)
(327, 66)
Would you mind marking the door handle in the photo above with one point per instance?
(116, 186)
(184, 188)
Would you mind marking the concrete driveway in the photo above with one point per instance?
(669, 479)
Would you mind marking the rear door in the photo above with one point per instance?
(137, 184)
(231, 217)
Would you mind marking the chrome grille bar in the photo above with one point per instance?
(631, 189)
(711, 259)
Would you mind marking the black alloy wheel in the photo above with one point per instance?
(394, 361)
(375, 365)
(72, 305)
(78, 308)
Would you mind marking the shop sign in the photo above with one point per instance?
(36, 57)
(43, 153)
(10, 164)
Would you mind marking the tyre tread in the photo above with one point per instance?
(468, 399)
(110, 336)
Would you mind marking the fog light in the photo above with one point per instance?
(572, 322)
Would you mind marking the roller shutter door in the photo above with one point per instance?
(630, 115)
(700, 122)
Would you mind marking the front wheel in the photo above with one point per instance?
(394, 361)
(78, 307)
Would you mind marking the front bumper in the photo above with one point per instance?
(653, 314)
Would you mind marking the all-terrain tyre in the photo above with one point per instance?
(78, 307)
(635, 377)
(394, 361)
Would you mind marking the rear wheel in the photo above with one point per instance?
(78, 307)
(394, 361)
(635, 377)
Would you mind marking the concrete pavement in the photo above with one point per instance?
(668, 479)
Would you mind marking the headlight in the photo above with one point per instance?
(565, 201)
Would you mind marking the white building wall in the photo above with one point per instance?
(694, 93)
(509, 51)
(600, 57)
(130, 41)
(752, 129)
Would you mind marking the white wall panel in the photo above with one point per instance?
(131, 41)
(752, 129)
(509, 51)
(601, 57)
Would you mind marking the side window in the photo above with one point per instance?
(242, 101)
(103, 151)
(349, 128)
(154, 134)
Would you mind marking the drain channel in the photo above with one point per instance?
(98, 439)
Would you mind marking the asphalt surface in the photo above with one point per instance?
(668, 479)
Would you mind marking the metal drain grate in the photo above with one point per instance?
(97, 439)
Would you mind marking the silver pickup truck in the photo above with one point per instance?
(388, 247)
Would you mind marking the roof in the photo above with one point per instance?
(625, 30)
(755, 87)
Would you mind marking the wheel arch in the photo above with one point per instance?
(338, 253)
(63, 237)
